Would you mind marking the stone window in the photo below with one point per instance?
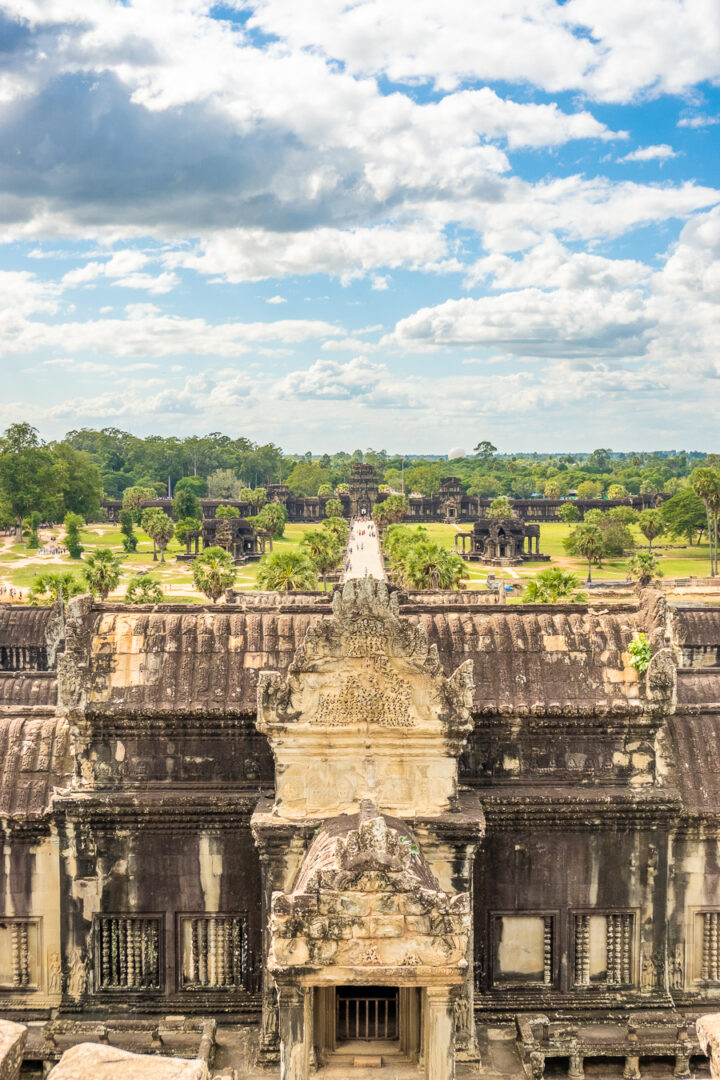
(604, 948)
(19, 954)
(127, 952)
(214, 952)
(523, 950)
(707, 946)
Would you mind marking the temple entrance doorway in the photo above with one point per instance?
(354, 1022)
(366, 1014)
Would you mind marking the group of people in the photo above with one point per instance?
(363, 527)
(11, 592)
(53, 549)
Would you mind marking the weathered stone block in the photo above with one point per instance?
(413, 905)
(305, 903)
(12, 1043)
(386, 904)
(91, 1061)
(708, 1031)
(383, 926)
(291, 951)
(418, 924)
(318, 927)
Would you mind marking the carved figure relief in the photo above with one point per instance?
(372, 698)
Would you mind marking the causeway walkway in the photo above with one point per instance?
(364, 558)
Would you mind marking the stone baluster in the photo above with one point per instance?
(194, 960)
(130, 948)
(627, 924)
(582, 950)
(548, 952)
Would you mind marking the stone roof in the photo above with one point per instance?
(34, 751)
(696, 741)
(698, 626)
(698, 686)
(21, 626)
(166, 660)
(28, 688)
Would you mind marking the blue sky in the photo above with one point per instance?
(401, 225)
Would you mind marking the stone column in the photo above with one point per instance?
(439, 1033)
(294, 1025)
(269, 1043)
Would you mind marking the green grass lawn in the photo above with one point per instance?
(20, 566)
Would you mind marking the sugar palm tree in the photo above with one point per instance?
(651, 524)
(430, 566)
(286, 571)
(159, 528)
(644, 567)
(213, 572)
(101, 571)
(552, 585)
(323, 548)
(144, 590)
(589, 544)
(706, 485)
(47, 588)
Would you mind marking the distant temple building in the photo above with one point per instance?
(387, 818)
(449, 504)
(500, 542)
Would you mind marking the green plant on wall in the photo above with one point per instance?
(639, 649)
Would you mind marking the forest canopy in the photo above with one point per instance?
(73, 474)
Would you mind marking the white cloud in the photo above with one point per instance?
(255, 254)
(146, 331)
(532, 322)
(609, 49)
(660, 152)
(276, 300)
(551, 265)
(698, 120)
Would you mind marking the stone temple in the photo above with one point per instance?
(378, 827)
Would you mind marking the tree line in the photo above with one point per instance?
(72, 475)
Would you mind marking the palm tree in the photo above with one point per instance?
(552, 585)
(286, 571)
(324, 549)
(144, 590)
(101, 570)
(644, 567)
(651, 524)
(213, 572)
(48, 588)
(706, 485)
(589, 544)
(430, 566)
(159, 528)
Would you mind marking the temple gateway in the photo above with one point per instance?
(370, 828)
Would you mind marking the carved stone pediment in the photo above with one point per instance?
(365, 712)
(366, 903)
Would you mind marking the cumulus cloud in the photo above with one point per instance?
(532, 322)
(147, 331)
(660, 152)
(698, 120)
(609, 49)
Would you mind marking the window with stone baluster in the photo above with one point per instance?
(603, 948)
(213, 952)
(19, 953)
(127, 952)
(706, 941)
(523, 950)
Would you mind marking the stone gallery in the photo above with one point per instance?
(378, 823)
